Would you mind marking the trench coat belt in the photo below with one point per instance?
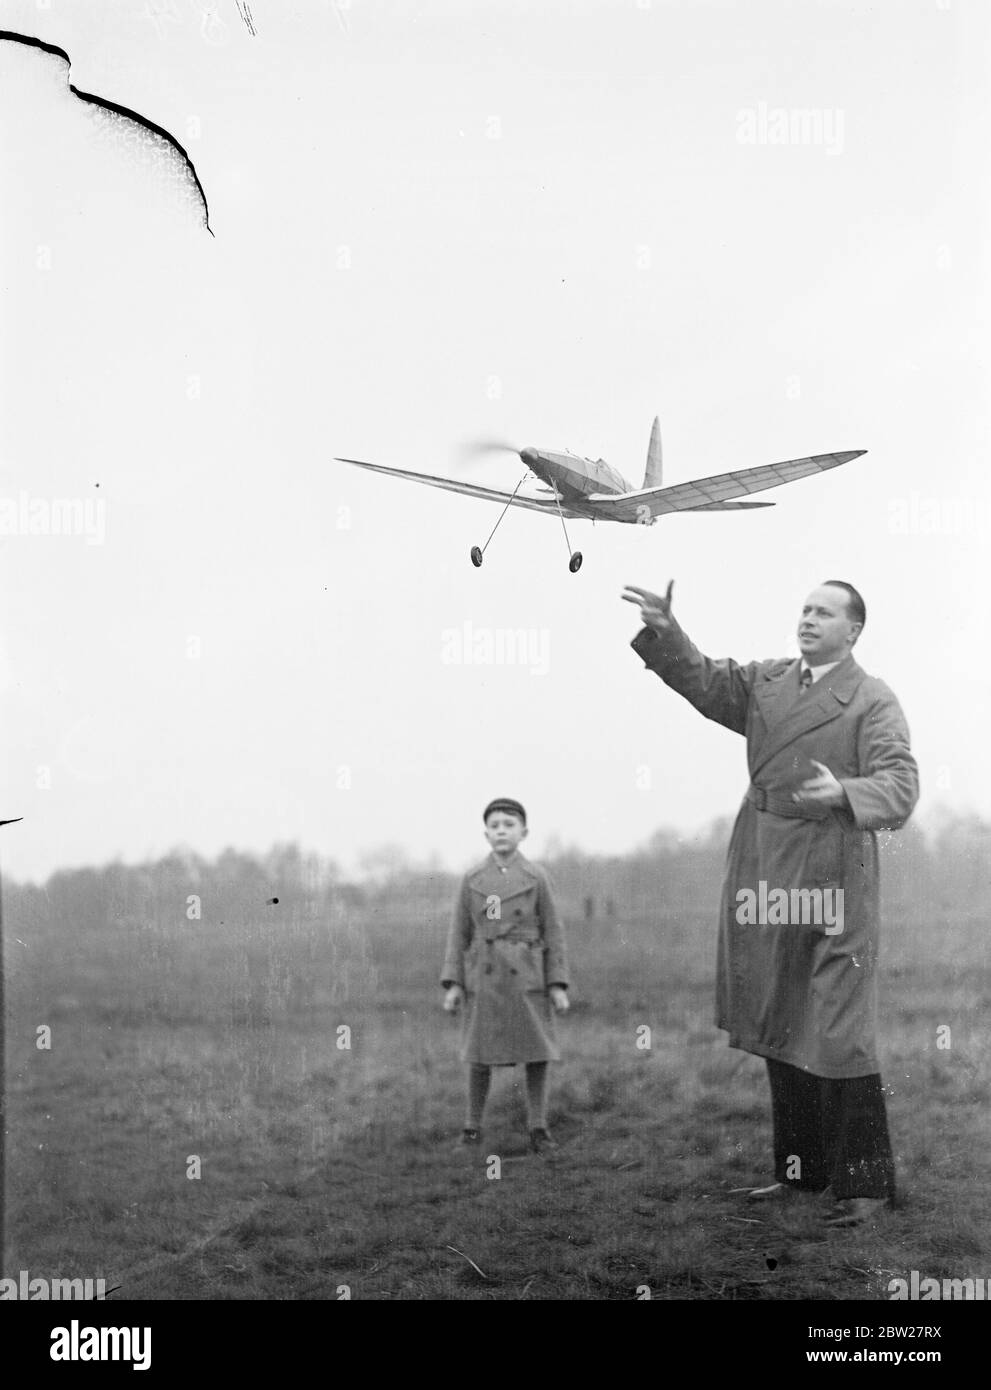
(764, 800)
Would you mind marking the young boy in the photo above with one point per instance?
(506, 962)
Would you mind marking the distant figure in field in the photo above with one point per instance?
(506, 962)
(798, 939)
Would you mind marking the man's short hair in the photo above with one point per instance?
(855, 607)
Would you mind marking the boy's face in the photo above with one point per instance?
(504, 831)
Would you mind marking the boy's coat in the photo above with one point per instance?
(506, 948)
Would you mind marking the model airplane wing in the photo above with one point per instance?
(488, 494)
(728, 506)
(713, 494)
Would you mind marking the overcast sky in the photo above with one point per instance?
(438, 221)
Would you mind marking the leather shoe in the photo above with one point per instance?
(541, 1141)
(855, 1211)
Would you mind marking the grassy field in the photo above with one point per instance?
(327, 1170)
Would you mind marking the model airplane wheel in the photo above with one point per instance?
(575, 563)
(476, 556)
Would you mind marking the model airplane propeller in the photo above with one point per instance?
(581, 488)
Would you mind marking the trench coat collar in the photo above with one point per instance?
(488, 876)
(788, 719)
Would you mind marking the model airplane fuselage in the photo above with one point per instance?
(583, 488)
(575, 479)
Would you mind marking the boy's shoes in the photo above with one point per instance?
(541, 1141)
(469, 1138)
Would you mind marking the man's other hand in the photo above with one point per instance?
(821, 790)
(453, 999)
(655, 611)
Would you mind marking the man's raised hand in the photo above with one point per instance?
(655, 611)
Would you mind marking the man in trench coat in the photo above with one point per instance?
(830, 764)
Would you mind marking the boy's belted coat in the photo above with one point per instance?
(506, 948)
(800, 992)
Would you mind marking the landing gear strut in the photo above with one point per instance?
(575, 561)
(478, 551)
(574, 556)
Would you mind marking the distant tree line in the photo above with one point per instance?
(945, 868)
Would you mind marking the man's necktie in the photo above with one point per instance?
(805, 679)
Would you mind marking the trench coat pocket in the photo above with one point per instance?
(471, 967)
(825, 864)
(795, 853)
(529, 962)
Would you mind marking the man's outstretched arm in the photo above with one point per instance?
(718, 689)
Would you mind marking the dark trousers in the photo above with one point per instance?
(837, 1129)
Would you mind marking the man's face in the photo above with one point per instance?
(504, 831)
(825, 631)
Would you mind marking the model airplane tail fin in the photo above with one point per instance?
(652, 477)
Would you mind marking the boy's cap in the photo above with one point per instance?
(504, 803)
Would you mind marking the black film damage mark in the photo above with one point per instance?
(31, 42)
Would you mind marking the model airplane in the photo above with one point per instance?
(579, 487)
